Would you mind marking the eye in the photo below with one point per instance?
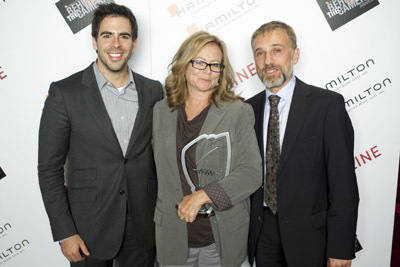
(106, 36)
(259, 53)
(277, 50)
(125, 37)
(197, 61)
(215, 65)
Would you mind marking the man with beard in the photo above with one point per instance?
(305, 214)
(101, 118)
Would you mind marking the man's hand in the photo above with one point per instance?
(338, 263)
(191, 204)
(72, 248)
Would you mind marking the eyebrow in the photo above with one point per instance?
(122, 33)
(211, 62)
(273, 45)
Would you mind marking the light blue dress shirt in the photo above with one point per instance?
(286, 94)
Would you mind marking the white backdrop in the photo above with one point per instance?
(362, 56)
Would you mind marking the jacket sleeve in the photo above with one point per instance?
(342, 185)
(54, 136)
(246, 169)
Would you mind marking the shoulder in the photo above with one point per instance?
(147, 81)
(76, 77)
(148, 86)
(323, 96)
(73, 83)
(162, 106)
(316, 91)
(162, 115)
(256, 99)
(238, 109)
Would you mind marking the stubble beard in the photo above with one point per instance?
(274, 82)
(117, 68)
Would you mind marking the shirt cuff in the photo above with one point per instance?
(217, 194)
(62, 240)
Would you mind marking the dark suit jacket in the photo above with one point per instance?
(316, 183)
(101, 180)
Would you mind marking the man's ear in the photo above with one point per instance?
(296, 56)
(94, 42)
(134, 45)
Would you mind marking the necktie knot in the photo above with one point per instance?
(274, 100)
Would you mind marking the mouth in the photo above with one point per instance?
(115, 56)
(271, 71)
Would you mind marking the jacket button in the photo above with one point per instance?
(122, 192)
(259, 219)
(125, 160)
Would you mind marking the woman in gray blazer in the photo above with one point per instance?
(207, 159)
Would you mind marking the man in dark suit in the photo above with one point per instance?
(305, 214)
(101, 119)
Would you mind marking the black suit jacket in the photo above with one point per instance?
(101, 180)
(316, 183)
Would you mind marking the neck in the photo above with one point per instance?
(198, 99)
(117, 78)
(196, 103)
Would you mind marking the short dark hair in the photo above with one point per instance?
(113, 10)
(275, 25)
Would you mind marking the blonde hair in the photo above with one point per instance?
(175, 83)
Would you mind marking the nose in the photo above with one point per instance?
(116, 42)
(267, 59)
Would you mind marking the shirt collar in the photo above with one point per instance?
(286, 93)
(102, 81)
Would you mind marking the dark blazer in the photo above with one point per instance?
(316, 183)
(101, 180)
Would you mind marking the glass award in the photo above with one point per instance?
(213, 161)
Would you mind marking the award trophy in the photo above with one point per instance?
(213, 161)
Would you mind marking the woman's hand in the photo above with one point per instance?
(191, 204)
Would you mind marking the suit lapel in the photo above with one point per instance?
(259, 109)
(92, 97)
(297, 114)
(213, 118)
(144, 97)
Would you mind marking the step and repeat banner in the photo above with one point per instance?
(347, 46)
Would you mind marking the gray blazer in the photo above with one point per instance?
(230, 227)
(101, 180)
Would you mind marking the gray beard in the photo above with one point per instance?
(273, 84)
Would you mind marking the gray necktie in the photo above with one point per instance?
(273, 153)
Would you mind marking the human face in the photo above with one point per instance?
(204, 80)
(114, 44)
(274, 59)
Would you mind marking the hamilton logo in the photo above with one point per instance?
(340, 12)
(78, 13)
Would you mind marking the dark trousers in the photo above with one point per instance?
(269, 251)
(129, 254)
